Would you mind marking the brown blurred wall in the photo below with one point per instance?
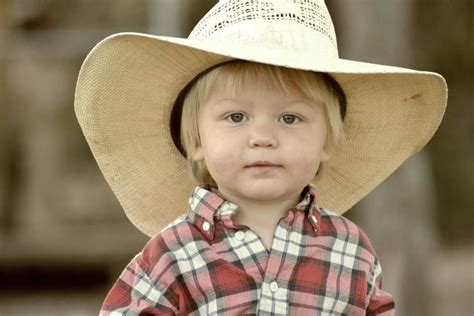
(443, 41)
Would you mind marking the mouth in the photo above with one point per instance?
(263, 165)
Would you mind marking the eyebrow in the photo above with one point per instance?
(307, 104)
(231, 100)
(293, 101)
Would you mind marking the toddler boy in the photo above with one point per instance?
(280, 136)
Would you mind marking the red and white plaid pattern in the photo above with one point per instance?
(202, 264)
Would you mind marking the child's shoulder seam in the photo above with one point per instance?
(181, 219)
(167, 234)
(332, 216)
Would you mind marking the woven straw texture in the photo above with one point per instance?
(129, 82)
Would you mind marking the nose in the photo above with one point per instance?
(262, 135)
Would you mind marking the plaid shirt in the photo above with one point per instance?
(202, 264)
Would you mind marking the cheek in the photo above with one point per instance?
(306, 159)
(310, 144)
(219, 154)
(316, 145)
(308, 168)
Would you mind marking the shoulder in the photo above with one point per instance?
(150, 281)
(337, 223)
(160, 253)
(346, 231)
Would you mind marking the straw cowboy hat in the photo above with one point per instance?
(129, 83)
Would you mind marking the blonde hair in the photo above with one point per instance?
(316, 87)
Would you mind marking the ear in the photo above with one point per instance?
(198, 154)
(325, 156)
(326, 152)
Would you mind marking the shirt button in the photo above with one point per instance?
(206, 226)
(274, 286)
(240, 235)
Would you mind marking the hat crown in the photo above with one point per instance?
(296, 26)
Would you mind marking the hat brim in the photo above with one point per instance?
(129, 83)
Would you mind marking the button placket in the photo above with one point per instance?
(273, 286)
(206, 226)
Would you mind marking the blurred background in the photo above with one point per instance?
(64, 238)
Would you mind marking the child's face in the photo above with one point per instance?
(261, 145)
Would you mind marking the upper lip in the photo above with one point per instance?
(262, 163)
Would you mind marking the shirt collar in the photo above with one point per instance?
(205, 206)
(309, 206)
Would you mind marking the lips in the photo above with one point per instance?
(262, 164)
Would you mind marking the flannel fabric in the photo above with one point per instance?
(203, 264)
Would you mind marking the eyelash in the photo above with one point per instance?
(232, 116)
(296, 119)
(229, 117)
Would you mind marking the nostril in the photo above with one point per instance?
(262, 142)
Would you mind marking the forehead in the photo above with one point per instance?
(245, 83)
(251, 88)
(252, 95)
(237, 77)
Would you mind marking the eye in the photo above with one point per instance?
(236, 117)
(289, 119)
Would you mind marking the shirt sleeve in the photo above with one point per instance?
(135, 293)
(380, 302)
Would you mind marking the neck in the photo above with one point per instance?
(258, 213)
